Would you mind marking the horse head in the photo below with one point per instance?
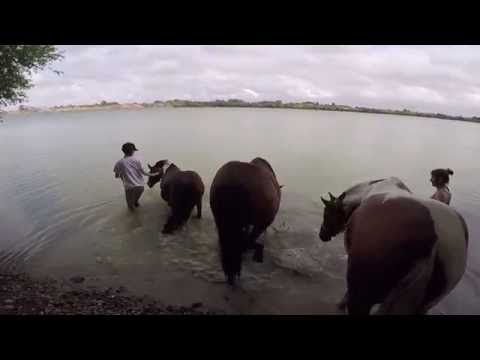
(334, 217)
(157, 168)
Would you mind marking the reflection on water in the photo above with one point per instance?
(63, 214)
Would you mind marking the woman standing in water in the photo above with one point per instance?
(440, 179)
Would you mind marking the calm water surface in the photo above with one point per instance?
(62, 213)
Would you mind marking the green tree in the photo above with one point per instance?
(17, 64)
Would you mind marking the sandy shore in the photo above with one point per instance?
(22, 295)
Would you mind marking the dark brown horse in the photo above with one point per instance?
(405, 253)
(244, 198)
(182, 190)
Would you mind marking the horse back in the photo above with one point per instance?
(246, 175)
(177, 183)
(381, 225)
(191, 179)
(250, 187)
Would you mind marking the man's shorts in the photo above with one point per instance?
(132, 195)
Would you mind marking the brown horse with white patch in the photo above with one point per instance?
(244, 198)
(182, 190)
(405, 253)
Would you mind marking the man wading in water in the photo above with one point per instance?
(130, 170)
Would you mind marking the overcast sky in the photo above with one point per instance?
(442, 79)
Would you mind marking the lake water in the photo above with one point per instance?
(62, 213)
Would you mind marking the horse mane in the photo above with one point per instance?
(171, 167)
(399, 184)
(263, 163)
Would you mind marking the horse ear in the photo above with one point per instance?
(325, 202)
(149, 166)
(341, 197)
(331, 196)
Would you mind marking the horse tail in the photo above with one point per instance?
(230, 211)
(231, 238)
(407, 297)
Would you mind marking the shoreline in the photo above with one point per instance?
(240, 104)
(23, 295)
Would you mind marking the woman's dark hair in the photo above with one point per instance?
(443, 175)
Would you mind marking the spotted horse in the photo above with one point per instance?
(405, 252)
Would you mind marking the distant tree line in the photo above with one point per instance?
(307, 105)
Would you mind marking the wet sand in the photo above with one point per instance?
(22, 295)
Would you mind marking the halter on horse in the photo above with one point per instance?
(405, 253)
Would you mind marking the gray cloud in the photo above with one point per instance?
(425, 78)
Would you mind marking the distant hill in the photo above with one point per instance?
(306, 105)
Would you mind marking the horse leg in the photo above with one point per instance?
(248, 243)
(199, 208)
(342, 305)
(257, 246)
(170, 225)
(358, 299)
(407, 296)
(231, 280)
(358, 306)
(173, 221)
(361, 292)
